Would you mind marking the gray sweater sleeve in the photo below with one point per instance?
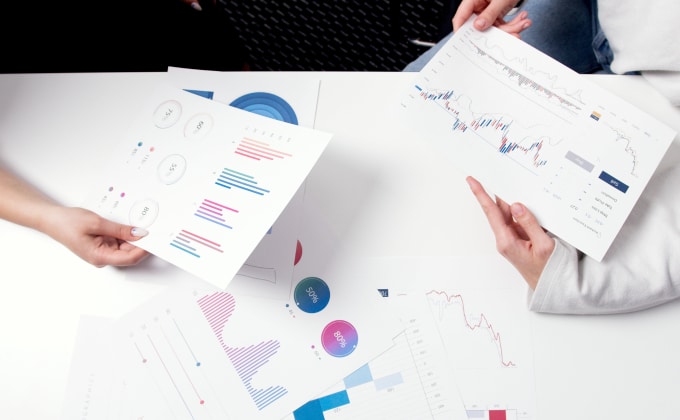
(640, 270)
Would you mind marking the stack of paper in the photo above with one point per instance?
(258, 321)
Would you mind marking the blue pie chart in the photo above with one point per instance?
(266, 104)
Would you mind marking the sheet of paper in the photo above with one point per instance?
(101, 388)
(262, 93)
(268, 271)
(478, 310)
(207, 181)
(532, 130)
(212, 354)
(467, 340)
(169, 349)
(90, 384)
(409, 380)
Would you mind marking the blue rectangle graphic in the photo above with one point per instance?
(613, 182)
(359, 377)
(390, 381)
(332, 401)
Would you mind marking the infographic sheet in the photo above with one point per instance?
(199, 352)
(268, 270)
(410, 380)
(206, 180)
(477, 308)
(532, 130)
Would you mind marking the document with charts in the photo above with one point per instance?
(532, 130)
(198, 352)
(269, 268)
(466, 351)
(205, 179)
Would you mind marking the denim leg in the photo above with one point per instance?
(424, 58)
(564, 30)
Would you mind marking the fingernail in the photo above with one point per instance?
(480, 23)
(517, 209)
(196, 6)
(139, 232)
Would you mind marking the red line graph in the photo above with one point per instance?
(482, 323)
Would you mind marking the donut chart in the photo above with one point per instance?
(312, 295)
(266, 104)
(339, 338)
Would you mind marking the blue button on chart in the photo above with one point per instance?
(613, 182)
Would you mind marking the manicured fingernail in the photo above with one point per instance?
(196, 6)
(139, 232)
(517, 209)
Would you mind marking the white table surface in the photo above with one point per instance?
(55, 130)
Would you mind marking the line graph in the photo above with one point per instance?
(512, 117)
(522, 144)
(170, 362)
(170, 375)
(481, 322)
(191, 350)
(548, 88)
(487, 340)
(535, 83)
(628, 147)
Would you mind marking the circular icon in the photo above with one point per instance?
(266, 104)
(311, 294)
(198, 126)
(171, 169)
(339, 338)
(167, 114)
(143, 213)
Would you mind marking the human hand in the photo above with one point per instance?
(194, 4)
(519, 237)
(93, 238)
(491, 12)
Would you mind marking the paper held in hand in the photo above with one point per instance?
(205, 179)
(534, 131)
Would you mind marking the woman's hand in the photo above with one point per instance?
(491, 12)
(96, 240)
(519, 237)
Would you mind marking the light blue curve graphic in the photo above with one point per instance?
(268, 105)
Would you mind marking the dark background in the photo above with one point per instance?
(150, 35)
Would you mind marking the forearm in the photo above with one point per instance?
(22, 203)
(586, 287)
(93, 238)
(640, 270)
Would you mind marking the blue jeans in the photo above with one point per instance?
(566, 30)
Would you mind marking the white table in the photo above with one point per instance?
(55, 130)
